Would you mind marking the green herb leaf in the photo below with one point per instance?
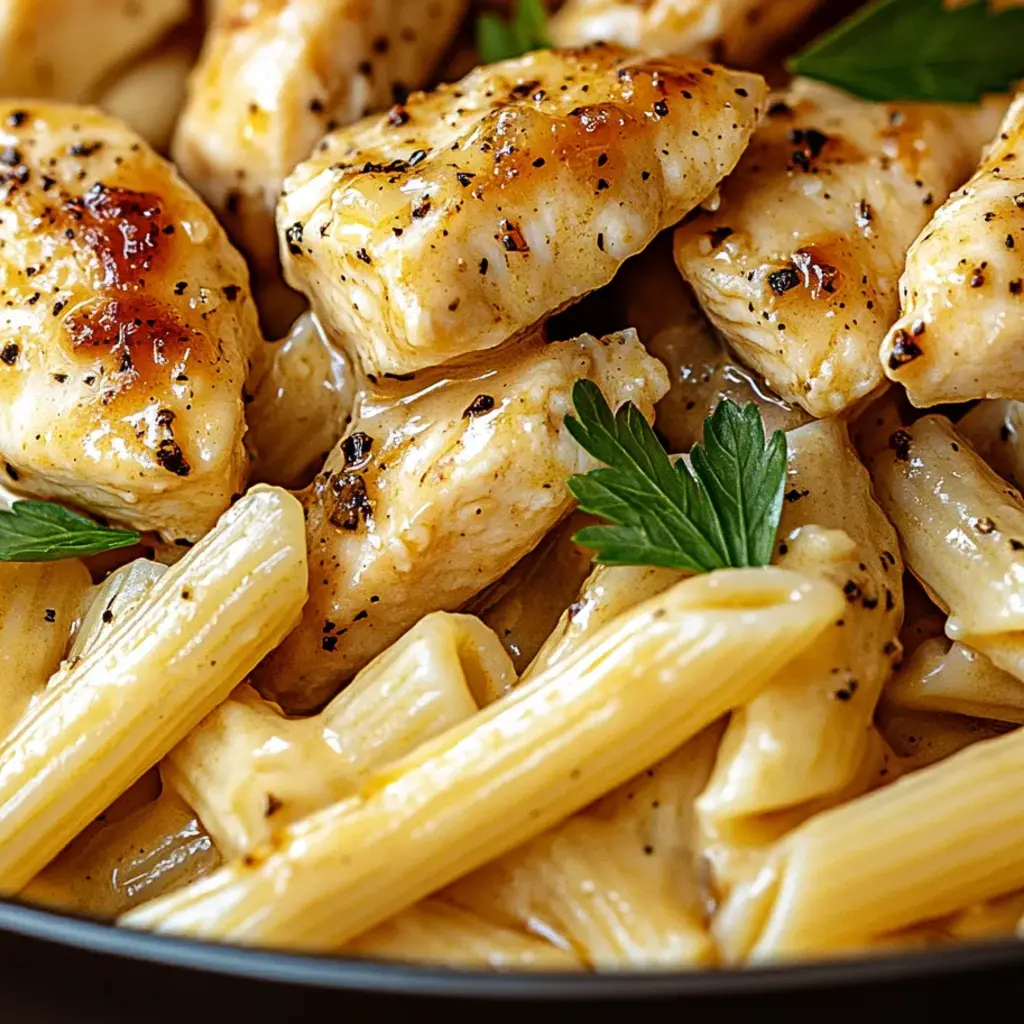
(497, 39)
(725, 513)
(920, 50)
(40, 531)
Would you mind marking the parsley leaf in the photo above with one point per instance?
(921, 50)
(497, 39)
(40, 531)
(724, 513)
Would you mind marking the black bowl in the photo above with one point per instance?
(55, 967)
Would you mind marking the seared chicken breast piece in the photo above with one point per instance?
(464, 217)
(961, 334)
(63, 49)
(274, 75)
(444, 482)
(798, 262)
(732, 31)
(701, 369)
(126, 327)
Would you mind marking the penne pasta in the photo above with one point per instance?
(248, 770)
(951, 678)
(806, 734)
(525, 605)
(961, 528)
(994, 429)
(618, 882)
(932, 843)
(125, 860)
(435, 931)
(640, 688)
(205, 624)
(39, 607)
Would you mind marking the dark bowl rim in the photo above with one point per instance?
(374, 976)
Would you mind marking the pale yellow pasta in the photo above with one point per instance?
(618, 882)
(961, 528)
(123, 861)
(994, 429)
(435, 931)
(933, 842)
(609, 591)
(641, 687)
(125, 704)
(248, 770)
(525, 605)
(805, 735)
(39, 606)
(115, 599)
(950, 677)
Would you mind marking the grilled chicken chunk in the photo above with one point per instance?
(733, 31)
(464, 217)
(961, 335)
(443, 483)
(63, 49)
(798, 264)
(126, 326)
(275, 75)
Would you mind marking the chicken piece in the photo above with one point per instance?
(301, 406)
(961, 334)
(701, 370)
(126, 330)
(63, 49)
(273, 77)
(732, 31)
(466, 216)
(149, 95)
(442, 485)
(798, 263)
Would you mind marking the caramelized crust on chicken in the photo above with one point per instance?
(65, 48)
(799, 262)
(275, 75)
(732, 31)
(126, 326)
(464, 217)
(443, 483)
(961, 335)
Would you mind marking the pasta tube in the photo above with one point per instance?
(962, 532)
(993, 429)
(205, 624)
(609, 591)
(435, 931)
(933, 842)
(617, 882)
(636, 691)
(120, 594)
(941, 676)
(525, 605)
(39, 603)
(106, 871)
(806, 734)
(248, 770)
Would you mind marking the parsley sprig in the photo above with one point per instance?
(527, 29)
(921, 50)
(724, 513)
(40, 531)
